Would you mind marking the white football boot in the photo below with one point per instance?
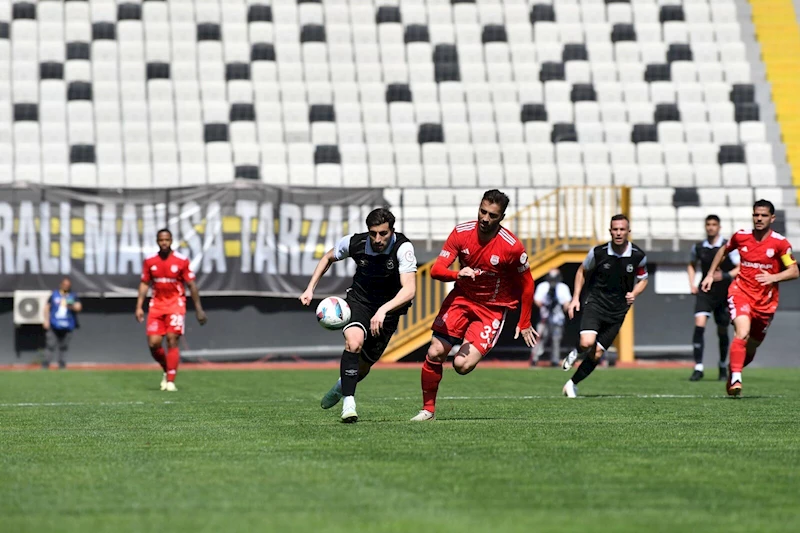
(171, 387)
(424, 416)
(569, 360)
(349, 414)
(164, 382)
(570, 390)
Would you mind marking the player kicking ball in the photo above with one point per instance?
(765, 260)
(494, 276)
(383, 286)
(168, 272)
(617, 274)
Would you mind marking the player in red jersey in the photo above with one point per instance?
(494, 277)
(167, 271)
(766, 260)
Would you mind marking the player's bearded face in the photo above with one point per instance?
(762, 219)
(619, 231)
(164, 241)
(489, 217)
(380, 236)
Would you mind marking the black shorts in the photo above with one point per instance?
(713, 304)
(360, 316)
(604, 324)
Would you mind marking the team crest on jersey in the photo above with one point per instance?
(174, 268)
(770, 252)
(390, 264)
(629, 268)
(523, 258)
(494, 260)
(606, 265)
(363, 263)
(495, 324)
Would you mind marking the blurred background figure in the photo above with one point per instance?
(551, 297)
(60, 320)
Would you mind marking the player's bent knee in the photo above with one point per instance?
(353, 347)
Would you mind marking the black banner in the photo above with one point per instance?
(245, 237)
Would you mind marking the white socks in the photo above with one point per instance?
(736, 376)
(699, 367)
(348, 403)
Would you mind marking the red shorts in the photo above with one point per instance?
(740, 305)
(477, 324)
(160, 323)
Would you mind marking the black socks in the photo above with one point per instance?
(698, 341)
(348, 372)
(587, 365)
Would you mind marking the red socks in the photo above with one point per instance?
(173, 358)
(431, 376)
(160, 357)
(738, 351)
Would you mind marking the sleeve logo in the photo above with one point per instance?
(523, 258)
(444, 253)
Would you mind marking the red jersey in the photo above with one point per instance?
(502, 271)
(771, 254)
(167, 278)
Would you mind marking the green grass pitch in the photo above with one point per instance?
(645, 450)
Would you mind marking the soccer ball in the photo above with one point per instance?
(333, 313)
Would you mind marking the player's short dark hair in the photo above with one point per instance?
(715, 218)
(765, 203)
(164, 230)
(620, 216)
(494, 196)
(380, 216)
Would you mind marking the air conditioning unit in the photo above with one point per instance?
(29, 306)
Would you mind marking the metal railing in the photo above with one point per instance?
(568, 218)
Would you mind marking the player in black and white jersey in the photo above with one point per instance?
(715, 301)
(383, 287)
(617, 274)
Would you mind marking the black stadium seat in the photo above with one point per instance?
(731, 153)
(644, 133)
(321, 113)
(666, 112)
(743, 93)
(493, 33)
(26, 112)
(417, 33)
(660, 72)
(215, 133)
(623, 32)
(430, 133)
(23, 10)
(249, 172)
(564, 133)
(746, 111)
(551, 71)
(312, 33)
(259, 13)
(237, 71)
(574, 52)
(447, 72)
(104, 31)
(388, 14)
(679, 52)
(79, 90)
(262, 52)
(671, 13)
(583, 92)
(82, 153)
(327, 153)
(398, 92)
(208, 32)
(129, 11)
(533, 113)
(242, 112)
(158, 71)
(51, 71)
(445, 53)
(78, 50)
(542, 13)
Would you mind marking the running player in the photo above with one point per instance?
(753, 295)
(494, 275)
(712, 302)
(383, 287)
(618, 274)
(168, 272)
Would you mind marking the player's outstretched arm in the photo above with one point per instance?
(140, 300)
(198, 308)
(718, 259)
(524, 326)
(575, 304)
(324, 264)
